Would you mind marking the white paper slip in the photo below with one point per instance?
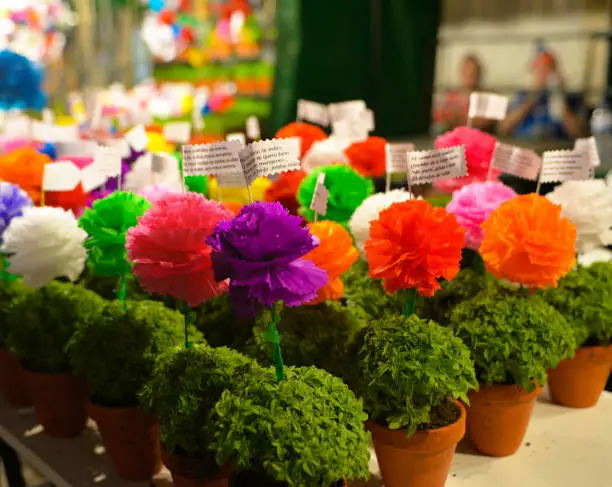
(345, 109)
(589, 146)
(179, 132)
(121, 145)
(396, 157)
(137, 138)
(488, 105)
(159, 162)
(76, 148)
(92, 177)
(65, 133)
(350, 129)
(522, 163)
(232, 180)
(60, 176)
(18, 128)
(430, 165)
(267, 157)
(216, 158)
(238, 137)
(108, 161)
(320, 196)
(314, 112)
(564, 165)
(253, 130)
(47, 116)
(43, 132)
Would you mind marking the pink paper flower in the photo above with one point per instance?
(479, 148)
(155, 192)
(473, 204)
(169, 251)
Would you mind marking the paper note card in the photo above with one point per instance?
(396, 157)
(488, 105)
(60, 176)
(589, 146)
(320, 196)
(253, 129)
(313, 112)
(92, 177)
(430, 165)
(522, 163)
(108, 161)
(179, 132)
(216, 158)
(76, 148)
(350, 129)
(232, 180)
(137, 138)
(345, 109)
(65, 133)
(18, 128)
(238, 137)
(267, 157)
(563, 165)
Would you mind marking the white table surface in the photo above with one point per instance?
(567, 448)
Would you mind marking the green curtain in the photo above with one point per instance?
(382, 51)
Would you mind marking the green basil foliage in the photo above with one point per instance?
(305, 431)
(514, 337)
(44, 320)
(409, 368)
(185, 386)
(221, 327)
(584, 297)
(115, 352)
(10, 293)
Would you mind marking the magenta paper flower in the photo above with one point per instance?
(479, 148)
(473, 204)
(169, 249)
(261, 251)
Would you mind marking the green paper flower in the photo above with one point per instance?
(347, 190)
(107, 224)
(197, 184)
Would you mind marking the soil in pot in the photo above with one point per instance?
(423, 459)
(12, 380)
(257, 479)
(195, 472)
(60, 403)
(498, 417)
(579, 381)
(131, 439)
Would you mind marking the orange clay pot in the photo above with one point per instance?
(498, 416)
(195, 472)
(12, 381)
(422, 460)
(578, 382)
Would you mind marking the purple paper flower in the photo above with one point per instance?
(260, 252)
(472, 205)
(12, 202)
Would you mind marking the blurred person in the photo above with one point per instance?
(546, 111)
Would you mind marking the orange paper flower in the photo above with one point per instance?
(285, 188)
(233, 206)
(526, 241)
(367, 157)
(25, 168)
(335, 255)
(412, 245)
(307, 133)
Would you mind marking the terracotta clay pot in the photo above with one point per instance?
(498, 416)
(195, 472)
(60, 403)
(578, 382)
(131, 439)
(12, 381)
(421, 460)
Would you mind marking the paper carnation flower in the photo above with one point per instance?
(261, 252)
(307, 133)
(20, 83)
(412, 245)
(335, 255)
(368, 211)
(45, 243)
(73, 201)
(368, 157)
(285, 188)
(347, 190)
(479, 148)
(13, 200)
(169, 250)
(24, 167)
(526, 241)
(588, 205)
(473, 204)
(107, 223)
(154, 192)
(325, 153)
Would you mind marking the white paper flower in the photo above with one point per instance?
(588, 205)
(43, 244)
(325, 152)
(597, 255)
(369, 210)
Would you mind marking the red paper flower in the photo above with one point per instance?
(74, 200)
(412, 244)
(169, 251)
(307, 133)
(367, 157)
(284, 190)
